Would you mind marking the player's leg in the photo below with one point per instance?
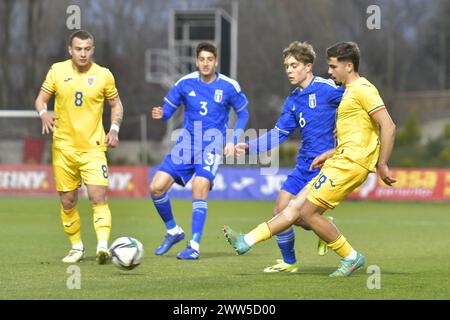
(322, 246)
(200, 189)
(206, 164)
(72, 225)
(285, 219)
(326, 230)
(94, 173)
(161, 183)
(68, 180)
(286, 239)
(282, 221)
(102, 220)
(337, 179)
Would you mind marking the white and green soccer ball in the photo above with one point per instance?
(126, 253)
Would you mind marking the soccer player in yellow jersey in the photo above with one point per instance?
(80, 87)
(365, 134)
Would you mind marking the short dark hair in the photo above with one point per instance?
(301, 51)
(206, 46)
(345, 51)
(81, 34)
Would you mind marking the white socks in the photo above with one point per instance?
(78, 246)
(195, 245)
(102, 245)
(249, 239)
(351, 256)
(175, 230)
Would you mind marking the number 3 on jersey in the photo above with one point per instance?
(204, 109)
(78, 98)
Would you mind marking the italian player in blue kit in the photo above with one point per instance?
(311, 107)
(208, 97)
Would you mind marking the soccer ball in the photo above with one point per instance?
(126, 253)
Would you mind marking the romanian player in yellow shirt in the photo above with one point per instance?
(80, 87)
(365, 134)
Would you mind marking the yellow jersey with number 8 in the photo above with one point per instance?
(357, 132)
(79, 101)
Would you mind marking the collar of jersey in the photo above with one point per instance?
(307, 89)
(201, 81)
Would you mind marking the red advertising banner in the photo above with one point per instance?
(124, 181)
(411, 185)
(132, 182)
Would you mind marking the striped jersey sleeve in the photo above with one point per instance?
(49, 84)
(370, 99)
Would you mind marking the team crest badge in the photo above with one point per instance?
(90, 80)
(312, 101)
(218, 96)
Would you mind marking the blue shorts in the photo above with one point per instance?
(203, 163)
(300, 176)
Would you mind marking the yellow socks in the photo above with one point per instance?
(341, 246)
(71, 223)
(260, 233)
(102, 222)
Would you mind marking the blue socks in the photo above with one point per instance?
(162, 204)
(286, 242)
(199, 209)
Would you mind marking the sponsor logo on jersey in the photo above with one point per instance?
(218, 95)
(192, 93)
(312, 100)
(68, 79)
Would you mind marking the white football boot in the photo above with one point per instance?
(74, 255)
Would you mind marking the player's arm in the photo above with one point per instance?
(320, 159)
(264, 143)
(48, 120)
(171, 103)
(238, 130)
(387, 138)
(284, 126)
(164, 112)
(112, 138)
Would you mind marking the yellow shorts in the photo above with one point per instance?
(338, 177)
(72, 167)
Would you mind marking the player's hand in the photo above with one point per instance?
(241, 148)
(157, 113)
(385, 175)
(48, 122)
(229, 151)
(320, 160)
(112, 139)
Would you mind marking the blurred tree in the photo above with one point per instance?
(411, 130)
(6, 8)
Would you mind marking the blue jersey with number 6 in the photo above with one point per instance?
(313, 111)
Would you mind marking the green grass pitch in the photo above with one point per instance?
(409, 242)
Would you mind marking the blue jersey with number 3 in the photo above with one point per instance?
(205, 103)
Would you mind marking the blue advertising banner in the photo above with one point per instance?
(237, 184)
